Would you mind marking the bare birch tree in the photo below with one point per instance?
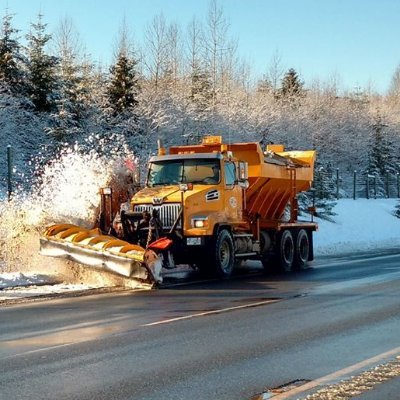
(155, 43)
(215, 44)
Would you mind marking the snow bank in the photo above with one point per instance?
(359, 225)
(15, 279)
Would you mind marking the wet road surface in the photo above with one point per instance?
(260, 336)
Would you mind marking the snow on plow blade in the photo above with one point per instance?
(90, 247)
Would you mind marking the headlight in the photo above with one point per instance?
(200, 222)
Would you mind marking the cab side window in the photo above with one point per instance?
(230, 174)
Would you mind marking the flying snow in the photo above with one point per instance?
(65, 190)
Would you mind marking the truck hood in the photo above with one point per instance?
(170, 194)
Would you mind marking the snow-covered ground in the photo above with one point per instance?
(360, 225)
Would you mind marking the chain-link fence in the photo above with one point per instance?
(335, 184)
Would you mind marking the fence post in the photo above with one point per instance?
(337, 183)
(387, 184)
(367, 185)
(9, 172)
(354, 185)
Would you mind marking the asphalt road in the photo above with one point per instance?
(258, 336)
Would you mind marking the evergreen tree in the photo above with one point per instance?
(123, 86)
(40, 67)
(323, 194)
(11, 60)
(381, 159)
(201, 98)
(201, 90)
(291, 86)
(70, 110)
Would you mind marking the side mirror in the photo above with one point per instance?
(243, 174)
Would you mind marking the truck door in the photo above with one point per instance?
(233, 193)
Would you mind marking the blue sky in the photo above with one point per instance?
(357, 40)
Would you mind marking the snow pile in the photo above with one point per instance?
(15, 279)
(360, 225)
(22, 291)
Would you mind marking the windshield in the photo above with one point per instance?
(173, 172)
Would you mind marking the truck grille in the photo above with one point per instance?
(168, 213)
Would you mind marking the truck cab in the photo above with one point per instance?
(194, 196)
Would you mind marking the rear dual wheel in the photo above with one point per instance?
(286, 251)
(293, 252)
(302, 250)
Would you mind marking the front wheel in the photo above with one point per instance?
(224, 256)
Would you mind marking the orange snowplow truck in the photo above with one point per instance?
(210, 206)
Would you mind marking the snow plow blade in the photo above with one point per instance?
(90, 247)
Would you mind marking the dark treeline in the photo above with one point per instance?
(179, 84)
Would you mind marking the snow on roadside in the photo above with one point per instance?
(15, 279)
(21, 285)
(43, 289)
(360, 225)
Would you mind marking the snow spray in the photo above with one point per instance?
(64, 189)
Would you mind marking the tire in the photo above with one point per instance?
(224, 256)
(286, 251)
(268, 260)
(302, 250)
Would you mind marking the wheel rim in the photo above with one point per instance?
(303, 248)
(224, 255)
(287, 251)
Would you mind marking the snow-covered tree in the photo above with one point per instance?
(216, 46)
(322, 196)
(40, 67)
(274, 73)
(70, 107)
(156, 49)
(11, 59)
(201, 92)
(394, 89)
(291, 85)
(381, 157)
(123, 86)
